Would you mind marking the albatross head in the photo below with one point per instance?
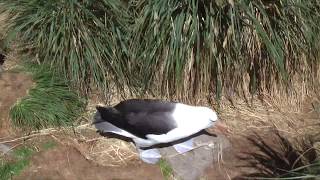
(209, 113)
(218, 124)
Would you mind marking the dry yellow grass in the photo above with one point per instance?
(103, 150)
(112, 152)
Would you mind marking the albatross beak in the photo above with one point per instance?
(221, 127)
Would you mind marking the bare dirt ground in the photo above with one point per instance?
(12, 87)
(68, 160)
(67, 163)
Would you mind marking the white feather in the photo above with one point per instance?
(189, 120)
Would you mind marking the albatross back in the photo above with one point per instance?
(141, 117)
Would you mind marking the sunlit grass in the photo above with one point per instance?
(198, 47)
(50, 103)
(82, 40)
(178, 49)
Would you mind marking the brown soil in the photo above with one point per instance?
(12, 87)
(67, 163)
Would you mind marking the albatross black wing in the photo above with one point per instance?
(144, 105)
(141, 117)
(142, 124)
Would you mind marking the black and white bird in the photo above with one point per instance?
(151, 122)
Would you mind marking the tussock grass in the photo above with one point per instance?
(180, 49)
(188, 48)
(50, 103)
(83, 40)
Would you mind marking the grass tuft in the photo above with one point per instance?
(49, 104)
(166, 170)
(9, 169)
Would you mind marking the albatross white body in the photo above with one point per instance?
(189, 120)
(152, 122)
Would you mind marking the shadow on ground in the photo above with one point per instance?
(277, 157)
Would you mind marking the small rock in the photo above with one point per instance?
(4, 148)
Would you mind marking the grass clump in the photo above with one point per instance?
(14, 168)
(198, 47)
(82, 39)
(50, 103)
(178, 48)
(166, 169)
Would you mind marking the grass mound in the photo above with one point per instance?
(49, 104)
(180, 49)
(81, 39)
(202, 47)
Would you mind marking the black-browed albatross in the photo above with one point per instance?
(150, 122)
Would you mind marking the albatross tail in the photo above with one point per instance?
(108, 114)
(107, 119)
